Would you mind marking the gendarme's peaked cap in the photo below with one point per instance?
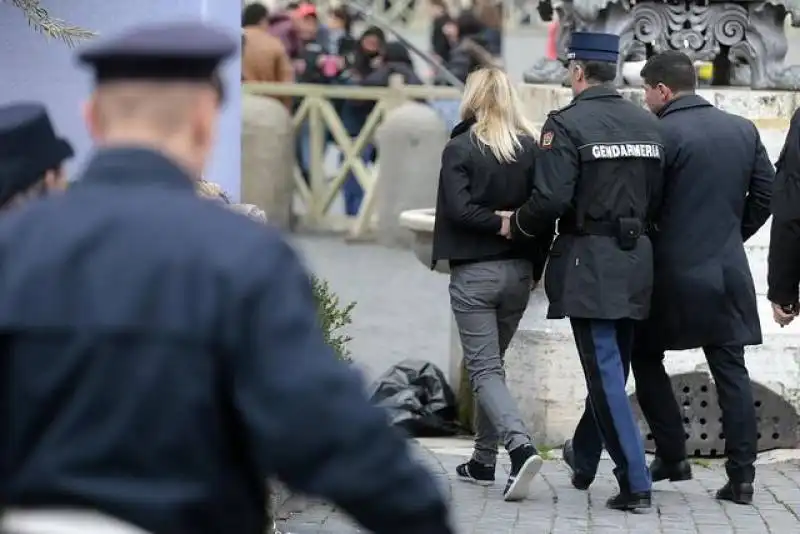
(161, 52)
(588, 46)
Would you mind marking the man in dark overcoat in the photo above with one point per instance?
(718, 187)
(783, 275)
(161, 354)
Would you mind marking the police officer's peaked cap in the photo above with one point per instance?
(588, 46)
(160, 52)
(29, 147)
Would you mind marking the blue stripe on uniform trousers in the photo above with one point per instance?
(598, 343)
(587, 442)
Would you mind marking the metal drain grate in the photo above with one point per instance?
(702, 418)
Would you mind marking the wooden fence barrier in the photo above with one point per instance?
(315, 107)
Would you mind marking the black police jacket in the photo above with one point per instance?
(784, 245)
(161, 358)
(600, 174)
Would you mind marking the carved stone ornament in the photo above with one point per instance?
(751, 34)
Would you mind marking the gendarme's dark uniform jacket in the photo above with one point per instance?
(599, 173)
(161, 357)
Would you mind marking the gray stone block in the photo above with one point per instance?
(268, 157)
(410, 140)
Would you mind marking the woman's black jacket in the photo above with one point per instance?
(473, 184)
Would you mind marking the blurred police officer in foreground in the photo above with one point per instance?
(718, 185)
(784, 245)
(32, 156)
(161, 355)
(599, 173)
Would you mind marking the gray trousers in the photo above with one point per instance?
(488, 301)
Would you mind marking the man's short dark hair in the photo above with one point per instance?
(673, 69)
(598, 71)
(254, 14)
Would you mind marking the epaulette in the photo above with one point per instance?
(212, 191)
(561, 110)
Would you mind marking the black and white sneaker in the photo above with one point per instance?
(476, 473)
(525, 464)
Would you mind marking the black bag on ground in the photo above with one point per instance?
(418, 399)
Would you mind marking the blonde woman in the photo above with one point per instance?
(487, 167)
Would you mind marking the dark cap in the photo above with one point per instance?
(29, 147)
(160, 52)
(588, 46)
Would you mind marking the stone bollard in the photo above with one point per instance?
(268, 157)
(410, 142)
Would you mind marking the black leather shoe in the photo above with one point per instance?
(631, 502)
(739, 493)
(579, 480)
(674, 472)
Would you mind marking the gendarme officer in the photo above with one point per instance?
(161, 354)
(599, 174)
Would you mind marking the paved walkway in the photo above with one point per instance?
(402, 309)
(554, 507)
(402, 312)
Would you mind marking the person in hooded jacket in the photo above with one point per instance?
(367, 57)
(368, 53)
(487, 169)
(395, 60)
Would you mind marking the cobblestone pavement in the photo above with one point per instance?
(402, 308)
(554, 507)
(402, 312)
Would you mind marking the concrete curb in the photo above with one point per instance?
(463, 447)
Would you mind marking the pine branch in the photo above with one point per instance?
(41, 21)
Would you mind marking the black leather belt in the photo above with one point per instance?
(603, 228)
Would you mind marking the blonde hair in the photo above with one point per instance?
(490, 98)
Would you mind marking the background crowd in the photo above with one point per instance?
(301, 44)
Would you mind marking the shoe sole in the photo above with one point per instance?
(475, 481)
(521, 486)
(635, 508)
(580, 486)
(681, 478)
(583, 485)
(642, 510)
(746, 501)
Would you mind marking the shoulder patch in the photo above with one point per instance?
(547, 138)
